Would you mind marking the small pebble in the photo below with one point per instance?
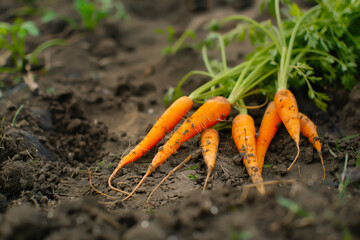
(214, 210)
(145, 224)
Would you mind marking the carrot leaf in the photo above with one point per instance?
(16, 115)
(171, 95)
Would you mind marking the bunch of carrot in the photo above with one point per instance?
(211, 112)
(226, 89)
(284, 108)
(214, 110)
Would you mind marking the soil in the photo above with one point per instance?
(99, 96)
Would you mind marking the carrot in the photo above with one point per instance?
(209, 145)
(268, 128)
(287, 108)
(211, 112)
(164, 124)
(308, 129)
(243, 132)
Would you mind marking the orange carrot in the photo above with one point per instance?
(287, 108)
(209, 145)
(164, 124)
(268, 128)
(211, 112)
(243, 132)
(308, 129)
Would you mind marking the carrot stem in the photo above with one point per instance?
(222, 52)
(206, 61)
(217, 79)
(280, 25)
(243, 109)
(285, 68)
(253, 107)
(254, 23)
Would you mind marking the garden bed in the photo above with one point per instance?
(99, 96)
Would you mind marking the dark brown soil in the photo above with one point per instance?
(100, 95)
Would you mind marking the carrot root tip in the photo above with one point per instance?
(296, 157)
(137, 186)
(323, 166)
(206, 180)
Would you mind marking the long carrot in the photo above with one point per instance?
(211, 112)
(268, 128)
(287, 108)
(209, 145)
(243, 133)
(164, 124)
(308, 129)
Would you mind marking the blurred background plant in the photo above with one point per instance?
(14, 59)
(91, 12)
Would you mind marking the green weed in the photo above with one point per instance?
(93, 11)
(241, 235)
(175, 46)
(2, 129)
(13, 41)
(193, 167)
(192, 176)
(344, 182)
(15, 116)
(350, 137)
(295, 208)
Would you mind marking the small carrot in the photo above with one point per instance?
(163, 125)
(308, 129)
(243, 132)
(211, 112)
(287, 108)
(209, 145)
(268, 128)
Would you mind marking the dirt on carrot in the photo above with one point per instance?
(287, 108)
(243, 132)
(209, 145)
